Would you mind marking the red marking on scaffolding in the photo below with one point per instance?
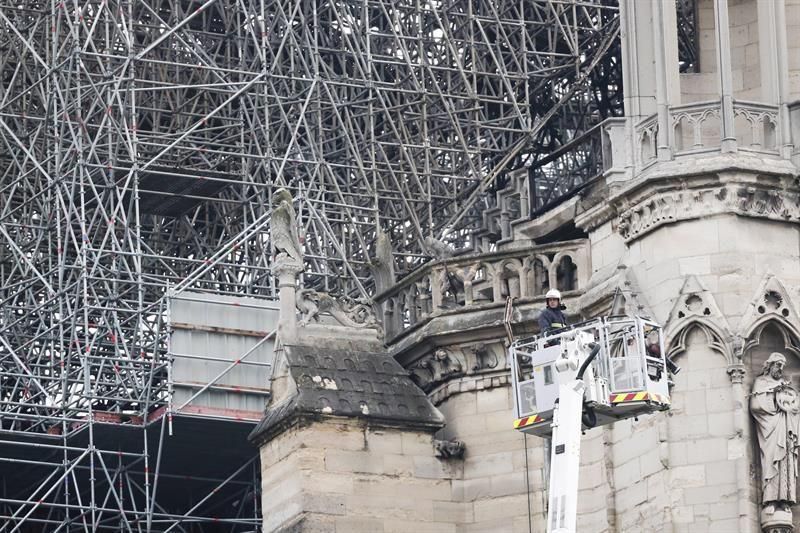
(104, 416)
(237, 361)
(235, 414)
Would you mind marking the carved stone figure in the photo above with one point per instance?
(283, 226)
(436, 368)
(382, 265)
(308, 304)
(346, 311)
(438, 249)
(449, 449)
(775, 407)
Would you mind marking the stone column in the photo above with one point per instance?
(727, 133)
(736, 372)
(665, 46)
(773, 50)
(287, 270)
(650, 66)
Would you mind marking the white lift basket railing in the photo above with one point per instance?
(591, 374)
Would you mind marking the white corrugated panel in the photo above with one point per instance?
(225, 328)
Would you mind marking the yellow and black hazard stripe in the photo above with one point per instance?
(526, 421)
(638, 397)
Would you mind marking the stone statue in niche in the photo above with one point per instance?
(775, 407)
(283, 227)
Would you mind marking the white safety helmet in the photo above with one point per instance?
(553, 293)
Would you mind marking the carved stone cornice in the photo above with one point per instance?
(670, 206)
(459, 368)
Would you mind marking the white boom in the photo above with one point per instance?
(593, 374)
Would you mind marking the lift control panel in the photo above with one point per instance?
(627, 376)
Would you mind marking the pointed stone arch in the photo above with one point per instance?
(771, 302)
(791, 341)
(628, 298)
(619, 294)
(696, 308)
(678, 342)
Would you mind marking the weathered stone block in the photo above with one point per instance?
(350, 461)
(721, 424)
(500, 508)
(398, 465)
(474, 489)
(508, 484)
(417, 443)
(357, 524)
(324, 503)
(452, 512)
(326, 482)
(402, 506)
(703, 451)
(494, 400)
(384, 442)
(710, 494)
(404, 526)
(630, 496)
(687, 476)
(428, 467)
(488, 465)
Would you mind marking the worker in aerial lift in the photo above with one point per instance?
(552, 317)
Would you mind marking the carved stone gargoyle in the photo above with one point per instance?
(449, 449)
(346, 311)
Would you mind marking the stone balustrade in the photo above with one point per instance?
(696, 129)
(480, 281)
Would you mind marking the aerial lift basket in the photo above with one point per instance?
(628, 375)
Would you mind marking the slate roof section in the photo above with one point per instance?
(352, 384)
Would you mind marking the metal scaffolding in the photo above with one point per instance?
(140, 144)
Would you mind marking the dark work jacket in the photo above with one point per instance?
(551, 319)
